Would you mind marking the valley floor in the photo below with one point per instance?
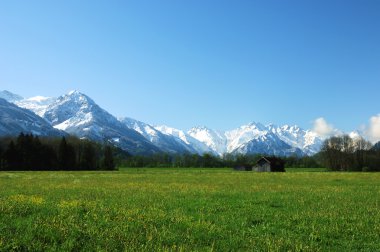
(189, 209)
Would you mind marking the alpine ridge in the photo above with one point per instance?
(253, 138)
(77, 114)
(165, 142)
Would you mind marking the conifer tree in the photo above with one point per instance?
(88, 157)
(11, 160)
(1, 158)
(108, 162)
(66, 155)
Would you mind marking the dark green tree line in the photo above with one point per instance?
(208, 160)
(66, 155)
(28, 152)
(108, 160)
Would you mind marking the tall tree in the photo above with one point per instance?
(347, 149)
(88, 157)
(108, 162)
(11, 160)
(66, 155)
(361, 147)
(331, 153)
(1, 158)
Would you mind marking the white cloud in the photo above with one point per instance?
(322, 128)
(370, 132)
(373, 131)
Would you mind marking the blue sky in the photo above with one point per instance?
(186, 63)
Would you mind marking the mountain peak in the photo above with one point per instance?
(79, 115)
(255, 125)
(74, 92)
(77, 94)
(76, 97)
(73, 105)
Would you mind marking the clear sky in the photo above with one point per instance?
(200, 62)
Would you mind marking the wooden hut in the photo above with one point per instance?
(270, 164)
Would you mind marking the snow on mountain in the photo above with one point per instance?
(255, 138)
(14, 120)
(10, 97)
(72, 109)
(144, 129)
(250, 138)
(79, 115)
(37, 104)
(306, 140)
(313, 143)
(268, 144)
(165, 142)
(213, 139)
(243, 135)
(181, 136)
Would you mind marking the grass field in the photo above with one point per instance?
(189, 209)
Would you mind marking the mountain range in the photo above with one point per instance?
(77, 114)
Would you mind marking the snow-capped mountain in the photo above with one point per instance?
(79, 115)
(243, 135)
(213, 139)
(165, 142)
(268, 144)
(181, 136)
(37, 104)
(306, 140)
(14, 120)
(257, 138)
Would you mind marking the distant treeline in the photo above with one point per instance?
(343, 153)
(29, 152)
(211, 161)
(340, 153)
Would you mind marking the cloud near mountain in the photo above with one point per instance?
(373, 131)
(322, 128)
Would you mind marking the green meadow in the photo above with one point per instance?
(189, 210)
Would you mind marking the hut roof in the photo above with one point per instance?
(271, 160)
